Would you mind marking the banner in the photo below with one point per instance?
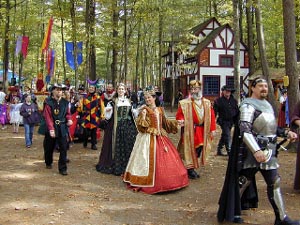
(25, 43)
(70, 54)
(50, 62)
(18, 45)
(47, 36)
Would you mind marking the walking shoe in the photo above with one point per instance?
(220, 154)
(27, 146)
(287, 221)
(48, 166)
(94, 147)
(192, 174)
(63, 172)
(238, 219)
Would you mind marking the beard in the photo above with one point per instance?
(197, 96)
(263, 95)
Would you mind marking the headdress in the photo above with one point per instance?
(149, 92)
(122, 84)
(257, 81)
(92, 82)
(195, 84)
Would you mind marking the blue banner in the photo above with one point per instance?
(70, 54)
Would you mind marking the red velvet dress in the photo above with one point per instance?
(155, 165)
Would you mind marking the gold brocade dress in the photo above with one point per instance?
(155, 165)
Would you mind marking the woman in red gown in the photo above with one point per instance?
(155, 165)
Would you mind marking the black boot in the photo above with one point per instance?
(220, 153)
(287, 221)
(94, 147)
(192, 174)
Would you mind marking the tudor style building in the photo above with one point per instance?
(209, 58)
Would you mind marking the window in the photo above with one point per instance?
(211, 85)
(226, 60)
(230, 81)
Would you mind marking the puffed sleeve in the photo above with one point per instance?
(169, 125)
(142, 124)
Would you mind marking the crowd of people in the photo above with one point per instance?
(136, 146)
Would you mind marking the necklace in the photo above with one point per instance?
(152, 107)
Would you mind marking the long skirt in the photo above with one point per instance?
(169, 171)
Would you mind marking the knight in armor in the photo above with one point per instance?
(58, 117)
(254, 149)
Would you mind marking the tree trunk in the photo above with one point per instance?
(160, 35)
(90, 43)
(263, 56)
(74, 39)
(249, 14)
(237, 42)
(93, 74)
(62, 40)
(137, 57)
(115, 43)
(6, 46)
(290, 52)
(124, 77)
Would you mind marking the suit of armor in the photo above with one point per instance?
(258, 125)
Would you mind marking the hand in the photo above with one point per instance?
(292, 136)
(52, 133)
(144, 113)
(69, 123)
(212, 134)
(260, 156)
(180, 123)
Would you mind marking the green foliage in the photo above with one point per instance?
(177, 16)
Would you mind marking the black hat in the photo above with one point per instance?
(25, 95)
(81, 87)
(284, 90)
(227, 88)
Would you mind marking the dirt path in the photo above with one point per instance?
(31, 194)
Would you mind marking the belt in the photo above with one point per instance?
(273, 140)
(58, 122)
(199, 125)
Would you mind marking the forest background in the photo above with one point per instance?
(124, 40)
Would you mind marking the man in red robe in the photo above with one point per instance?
(197, 119)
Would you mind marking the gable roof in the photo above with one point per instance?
(209, 38)
(197, 29)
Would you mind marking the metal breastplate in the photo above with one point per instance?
(265, 124)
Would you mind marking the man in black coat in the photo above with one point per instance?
(226, 109)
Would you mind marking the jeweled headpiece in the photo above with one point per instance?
(195, 84)
(150, 92)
